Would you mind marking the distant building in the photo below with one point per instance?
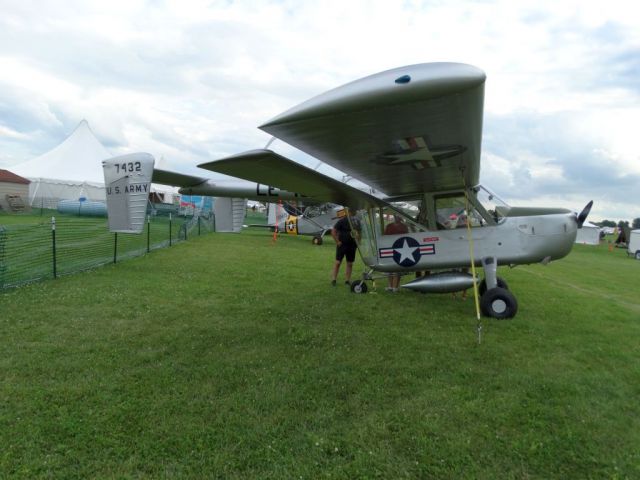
(14, 191)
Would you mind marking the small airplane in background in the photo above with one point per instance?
(313, 220)
(413, 133)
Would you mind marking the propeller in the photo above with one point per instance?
(584, 213)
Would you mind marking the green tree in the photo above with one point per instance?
(607, 223)
(636, 223)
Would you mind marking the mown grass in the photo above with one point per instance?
(231, 357)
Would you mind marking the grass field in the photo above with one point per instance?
(229, 357)
(26, 243)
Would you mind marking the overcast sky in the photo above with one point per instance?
(191, 80)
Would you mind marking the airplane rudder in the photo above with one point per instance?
(127, 180)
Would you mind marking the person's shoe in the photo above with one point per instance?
(388, 289)
(333, 283)
(347, 282)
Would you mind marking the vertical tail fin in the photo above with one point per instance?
(229, 213)
(276, 214)
(128, 182)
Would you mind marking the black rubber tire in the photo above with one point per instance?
(359, 286)
(638, 255)
(483, 285)
(316, 240)
(499, 303)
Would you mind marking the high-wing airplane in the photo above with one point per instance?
(314, 220)
(413, 133)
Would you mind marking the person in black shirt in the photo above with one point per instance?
(345, 247)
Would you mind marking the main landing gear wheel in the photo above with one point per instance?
(359, 286)
(483, 285)
(316, 240)
(638, 255)
(498, 303)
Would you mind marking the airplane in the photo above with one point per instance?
(413, 133)
(314, 220)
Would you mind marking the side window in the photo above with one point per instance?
(451, 212)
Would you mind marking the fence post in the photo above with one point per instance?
(3, 241)
(148, 233)
(198, 226)
(169, 228)
(115, 246)
(53, 240)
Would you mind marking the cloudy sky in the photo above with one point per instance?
(191, 80)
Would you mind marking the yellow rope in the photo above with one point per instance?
(473, 263)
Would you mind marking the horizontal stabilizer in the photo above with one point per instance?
(165, 177)
(266, 166)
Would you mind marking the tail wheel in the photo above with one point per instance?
(498, 303)
(316, 240)
(359, 287)
(483, 285)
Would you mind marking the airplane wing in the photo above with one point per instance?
(268, 167)
(403, 131)
(165, 177)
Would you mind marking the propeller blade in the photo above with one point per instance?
(584, 214)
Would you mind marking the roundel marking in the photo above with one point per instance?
(406, 251)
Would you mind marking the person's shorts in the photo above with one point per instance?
(346, 250)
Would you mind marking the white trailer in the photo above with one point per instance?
(633, 245)
(589, 234)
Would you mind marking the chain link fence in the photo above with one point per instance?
(62, 245)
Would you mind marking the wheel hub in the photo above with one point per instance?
(499, 306)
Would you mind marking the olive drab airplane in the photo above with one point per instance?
(413, 133)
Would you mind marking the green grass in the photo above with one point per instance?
(26, 244)
(230, 357)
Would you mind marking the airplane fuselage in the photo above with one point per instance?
(516, 240)
(240, 189)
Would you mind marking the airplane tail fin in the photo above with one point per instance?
(276, 214)
(127, 179)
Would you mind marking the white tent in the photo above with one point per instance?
(78, 158)
(589, 234)
(71, 171)
(47, 192)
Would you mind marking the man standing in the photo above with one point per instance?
(396, 227)
(345, 247)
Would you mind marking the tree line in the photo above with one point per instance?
(635, 224)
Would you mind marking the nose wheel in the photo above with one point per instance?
(498, 303)
(496, 300)
(359, 286)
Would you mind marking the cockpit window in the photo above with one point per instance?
(317, 210)
(451, 212)
(494, 205)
